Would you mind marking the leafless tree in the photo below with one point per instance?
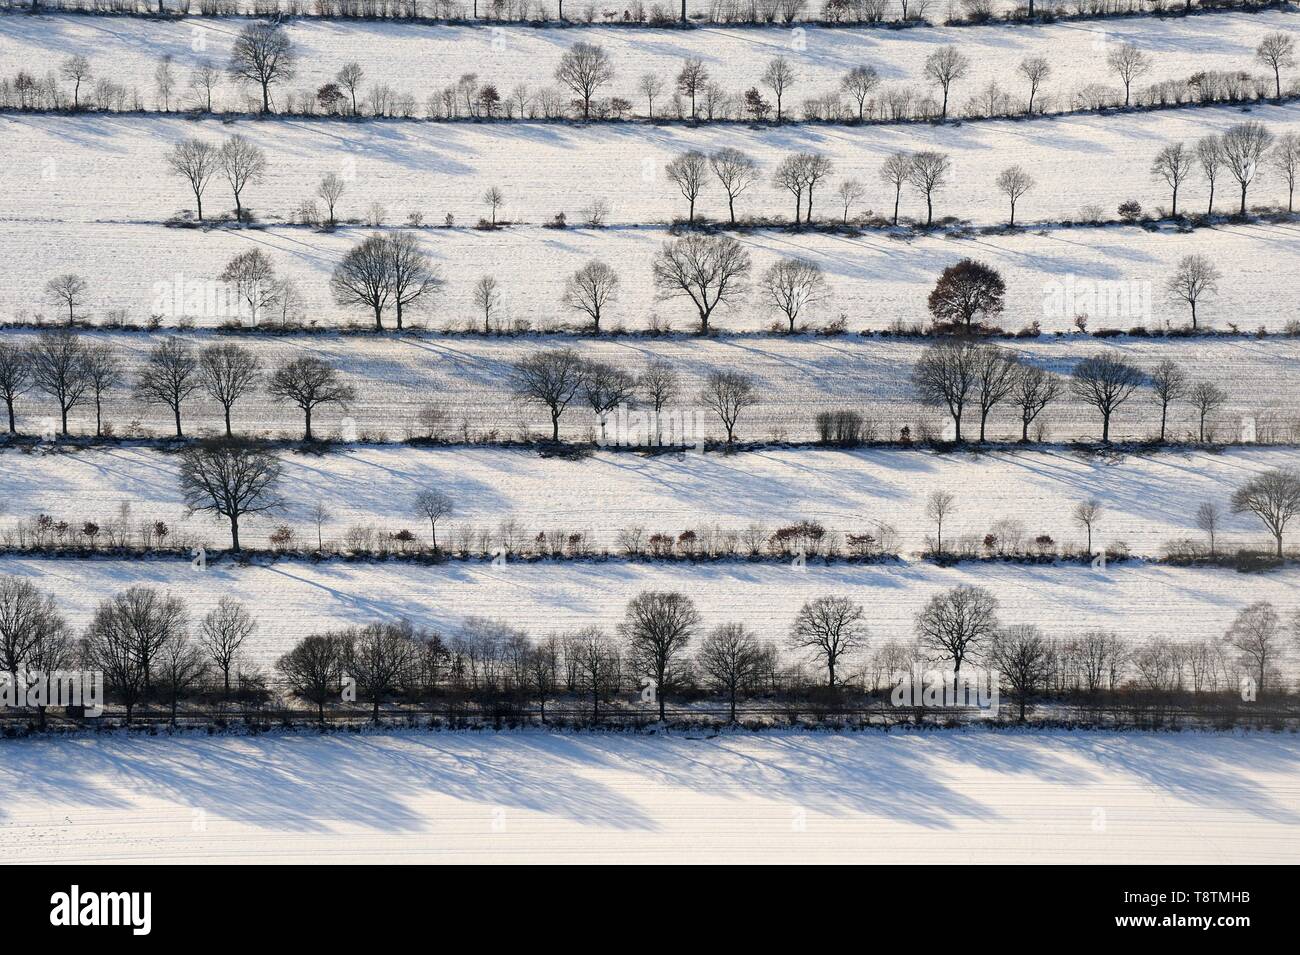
(1034, 389)
(1209, 154)
(111, 649)
(169, 376)
(76, 70)
(1276, 51)
(944, 67)
(958, 623)
(494, 199)
(1168, 384)
(363, 277)
(1105, 382)
(996, 374)
(859, 83)
(1244, 146)
(15, 377)
(104, 369)
(736, 172)
(349, 78)
(330, 190)
(67, 291)
(487, 297)
(729, 659)
(1194, 279)
(1022, 658)
(709, 270)
(412, 277)
(1256, 633)
(1208, 519)
(596, 663)
(1206, 397)
(1173, 164)
(1036, 70)
(1128, 63)
(692, 79)
(60, 368)
(181, 667)
(1273, 497)
(263, 54)
(227, 373)
(203, 80)
(605, 387)
(196, 161)
(928, 172)
(253, 277)
(549, 378)
(377, 655)
(650, 86)
(243, 164)
(433, 506)
(792, 285)
(792, 176)
(816, 168)
(937, 508)
(27, 616)
(778, 76)
(945, 376)
(1087, 514)
(660, 384)
(897, 170)
(584, 69)
(223, 633)
(688, 172)
(1286, 160)
(313, 669)
(832, 628)
(849, 191)
(309, 382)
(230, 480)
(727, 394)
(1014, 182)
(590, 289)
(657, 628)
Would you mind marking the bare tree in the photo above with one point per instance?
(816, 168)
(111, 649)
(736, 172)
(549, 378)
(1194, 279)
(657, 628)
(945, 376)
(729, 659)
(349, 77)
(433, 506)
(1128, 63)
(27, 616)
(1256, 634)
(312, 669)
(1243, 147)
(1035, 389)
(230, 480)
(1276, 51)
(832, 628)
(104, 369)
(76, 70)
(709, 270)
(692, 79)
(67, 291)
(413, 278)
(1105, 382)
(168, 377)
(1208, 519)
(584, 69)
(1168, 384)
(958, 623)
(1286, 160)
(937, 508)
(377, 655)
(494, 199)
(263, 54)
(688, 172)
(181, 668)
(727, 394)
(1173, 164)
(605, 387)
(944, 67)
(1014, 182)
(1206, 397)
(1273, 497)
(859, 83)
(253, 277)
(330, 190)
(928, 173)
(309, 382)
(792, 285)
(778, 76)
(849, 191)
(996, 374)
(60, 368)
(196, 161)
(225, 630)
(487, 297)
(1022, 657)
(227, 373)
(792, 176)
(1036, 70)
(590, 289)
(897, 170)
(660, 384)
(596, 663)
(1087, 514)
(243, 164)
(203, 80)
(15, 377)
(650, 86)
(363, 277)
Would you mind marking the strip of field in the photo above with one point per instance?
(468, 378)
(422, 59)
(1116, 276)
(1148, 500)
(78, 168)
(863, 798)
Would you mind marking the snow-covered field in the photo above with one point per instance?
(1149, 500)
(942, 798)
(873, 280)
(89, 168)
(421, 60)
(468, 378)
(292, 599)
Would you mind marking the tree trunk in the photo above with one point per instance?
(379, 317)
(307, 416)
(228, 432)
(10, 405)
(1105, 429)
(555, 426)
(234, 532)
(177, 412)
(1164, 415)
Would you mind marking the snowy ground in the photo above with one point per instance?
(796, 377)
(1149, 500)
(292, 599)
(1116, 275)
(79, 168)
(946, 798)
(421, 60)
